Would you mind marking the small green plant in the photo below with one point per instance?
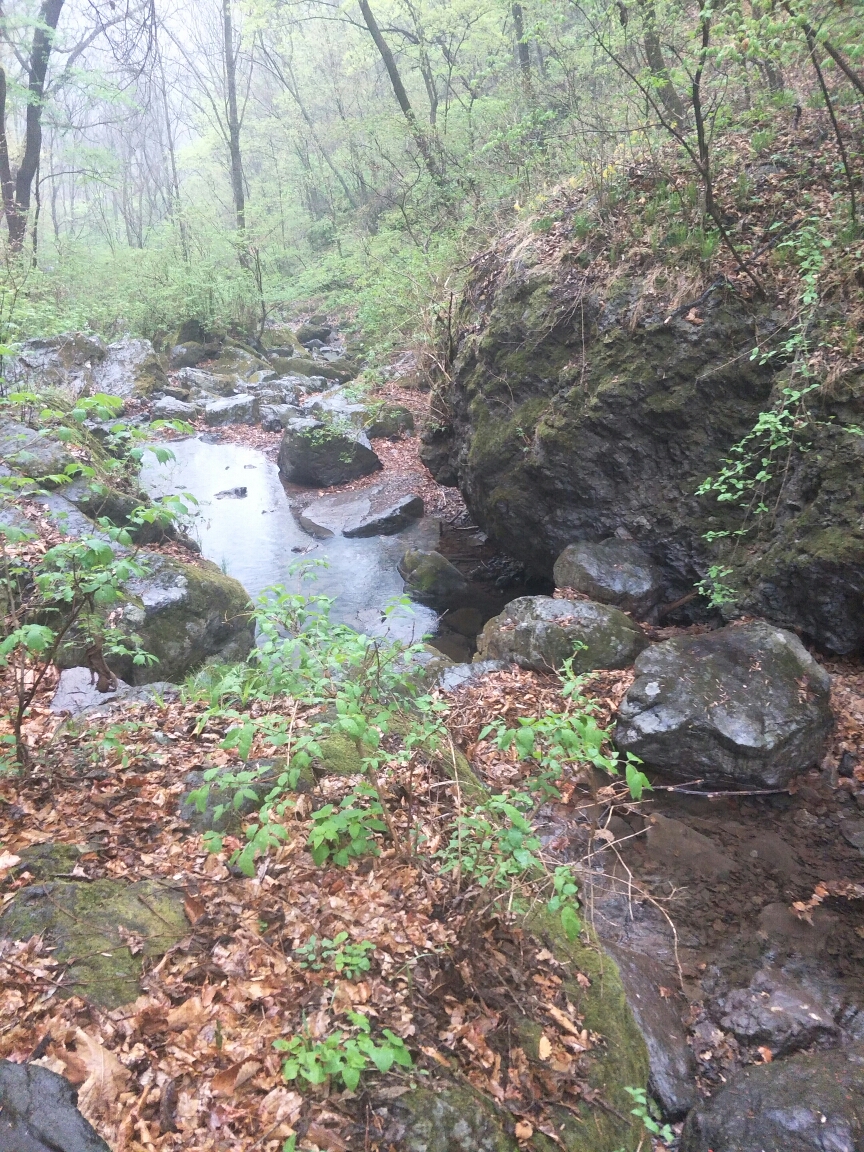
(343, 955)
(647, 1111)
(341, 832)
(713, 588)
(342, 1057)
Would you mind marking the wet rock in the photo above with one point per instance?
(232, 410)
(776, 1012)
(312, 369)
(276, 417)
(187, 355)
(232, 494)
(746, 706)
(371, 512)
(77, 693)
(170, 409)
(457, 647)
(803, 1104)
(672, 1064)
(430, 578)
(853, 833)
(81, 921)
(612, 572)
(206, 384)
(67, 362)
(30, 453)
(684, 853)
(335, 405)
(318, 454)
(130, 368)
(540, 632)
(390, 422)
(456, 677)
(38, 1113)
(465, 621)
(559, 427)
(239, 362)
(308, 332)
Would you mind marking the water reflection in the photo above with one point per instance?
(257, 539)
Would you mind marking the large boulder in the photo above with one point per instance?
(38, 1113)
(242, 409)
(130, 368)
(67, 362)
(321, 454)
(570, 409)
(335, 405)
(187, 355)
(301, 366)
(389, 422)
(370, 512)
(611, 572)
(308, 332)
(169, 408)
(430, 578)
(540, 632)
(746, 706)
(31, 453)
(803, 1104)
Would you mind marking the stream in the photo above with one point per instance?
(257, 539)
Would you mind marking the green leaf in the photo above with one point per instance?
(570, 922)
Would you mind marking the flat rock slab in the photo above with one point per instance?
(803, 1104)
(83, 921)
(747, 706)
(540, 632)
(169, 408)
(38, 1113)
(612, 572)
(371, 512)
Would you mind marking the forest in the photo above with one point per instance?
(432, 576)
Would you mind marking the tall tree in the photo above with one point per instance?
(232, 117)
(17, 189)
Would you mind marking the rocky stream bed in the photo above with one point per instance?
(722, 965)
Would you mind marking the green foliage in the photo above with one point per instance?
(342, 1057)
(346, 957)
(648, 1112)
(347, 830)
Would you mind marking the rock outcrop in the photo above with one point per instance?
(541, 633)
(574, 409)
(38, 1113)
(611, 572)
(747, 706)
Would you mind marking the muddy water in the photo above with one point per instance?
(257, 540)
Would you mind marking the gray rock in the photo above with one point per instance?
(778, 1013)
(228, 806)
(449, 1120)
(276, 417)
(170, 409)
(672, 1063)
(187, 355)
(130, 368)
(335, 405)
(612, 572)
(205, 384)
(239, 362)
(239, 493)
(67, 362)
(318, 454)
(369, 512)
(465, 621)
(430, 578)
(31, 453)
(458, 675)
(683, 853)
(746, 706)
(803, 1104)
(308, 332)
(540, 632)
(390, 422)
(38, 1113)
(232, 410)
(77, 691)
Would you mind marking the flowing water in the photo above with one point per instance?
(257, 540)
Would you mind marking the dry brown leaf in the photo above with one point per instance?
(523, 1130)
(544, 1048)
(194, 909)
(7, 861)
(189, 1014)
(563, 1019)
(232, 1079)
(106, 1080)
(326, 1139)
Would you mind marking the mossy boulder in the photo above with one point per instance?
(89, 926)
(319, 453)
(540, 632)
(430, 578)
(569, 410)
(301, 366)
(389, 422)
(31, 453)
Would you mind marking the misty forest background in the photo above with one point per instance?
(234, 160)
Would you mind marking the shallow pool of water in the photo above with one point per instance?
(257, 540)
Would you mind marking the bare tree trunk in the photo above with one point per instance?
(522, 49)
(238, 187)
(17, 204)
(657, 63)
(399, 92)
